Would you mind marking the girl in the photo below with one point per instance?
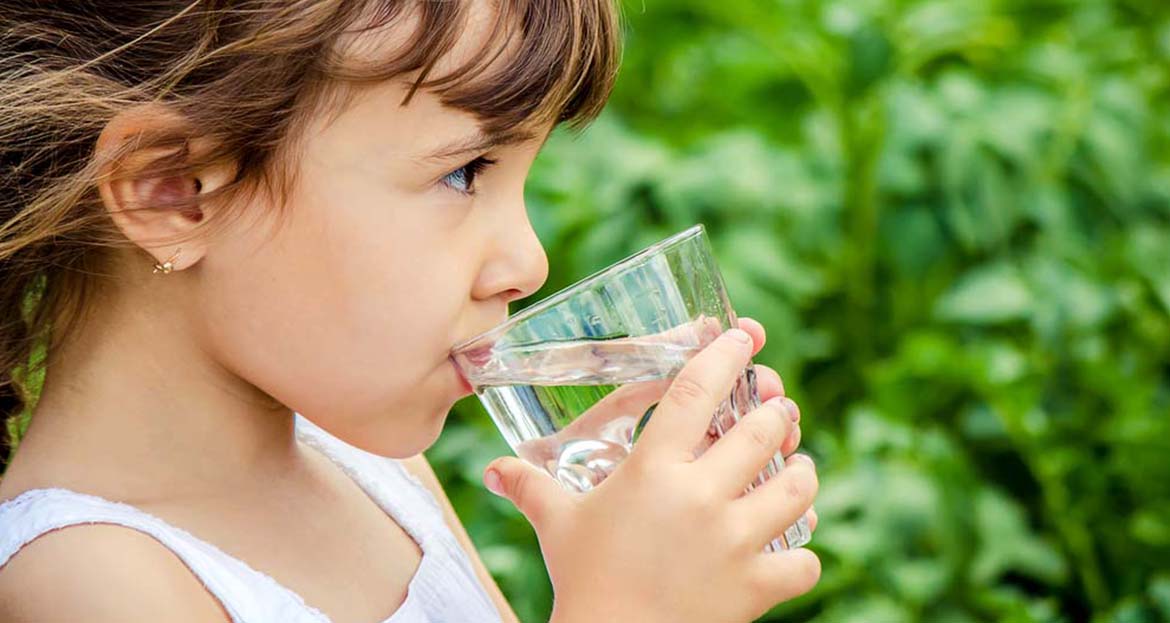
(247, 234)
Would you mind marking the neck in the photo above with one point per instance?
(132, 406)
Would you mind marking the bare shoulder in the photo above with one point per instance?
(102, 573)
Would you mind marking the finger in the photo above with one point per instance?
(630, 400)
(532, 491)
(694, 333)
(737, 457)
(792, 442)
(756, 330)
(787, 574)
(813, 520)
(768, 382)
(684, 414)
(778, 503)
(794, 409)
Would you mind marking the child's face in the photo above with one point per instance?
(347, 310)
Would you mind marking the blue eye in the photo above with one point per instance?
(463, 179)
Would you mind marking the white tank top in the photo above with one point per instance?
(443, 589)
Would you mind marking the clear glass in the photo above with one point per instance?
(572, 380)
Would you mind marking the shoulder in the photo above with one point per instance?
(102, 572)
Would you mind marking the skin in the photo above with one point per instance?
(308, 315)
(669, 496)
(178, 393)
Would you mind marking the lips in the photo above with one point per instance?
(467, 388)
(478, 356)
(471, 359)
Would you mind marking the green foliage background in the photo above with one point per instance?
(953, 217)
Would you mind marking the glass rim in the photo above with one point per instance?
(566, 292)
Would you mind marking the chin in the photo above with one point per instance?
(420, 434)
(398, 438)
(433, 428)
(409, 430)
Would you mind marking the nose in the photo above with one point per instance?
(516, 266)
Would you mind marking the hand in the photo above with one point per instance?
(672, 537)
(770, 386)
(617, 416)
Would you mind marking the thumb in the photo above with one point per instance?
(531, 491)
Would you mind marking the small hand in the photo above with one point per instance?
(672, 536)
(620, 414)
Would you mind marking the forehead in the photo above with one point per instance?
(454, 35)
(374, 123)
(474, 44)
(507, 62)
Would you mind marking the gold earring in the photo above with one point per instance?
(167, 266)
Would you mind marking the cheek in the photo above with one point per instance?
(344, 314)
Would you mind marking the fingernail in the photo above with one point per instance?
(793, 410)
(740, 336)
(491, 480)
(804, 457)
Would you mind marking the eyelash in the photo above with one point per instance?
(468, 173)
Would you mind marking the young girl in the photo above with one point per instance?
(248, 233)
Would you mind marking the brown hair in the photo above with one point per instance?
(241, 74)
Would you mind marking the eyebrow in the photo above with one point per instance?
(478, 141)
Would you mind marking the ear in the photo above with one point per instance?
(158, 212)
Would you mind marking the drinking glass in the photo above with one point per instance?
(572, 380)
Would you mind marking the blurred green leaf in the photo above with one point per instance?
(953, 217)
(987, 295)
(1007, 544)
